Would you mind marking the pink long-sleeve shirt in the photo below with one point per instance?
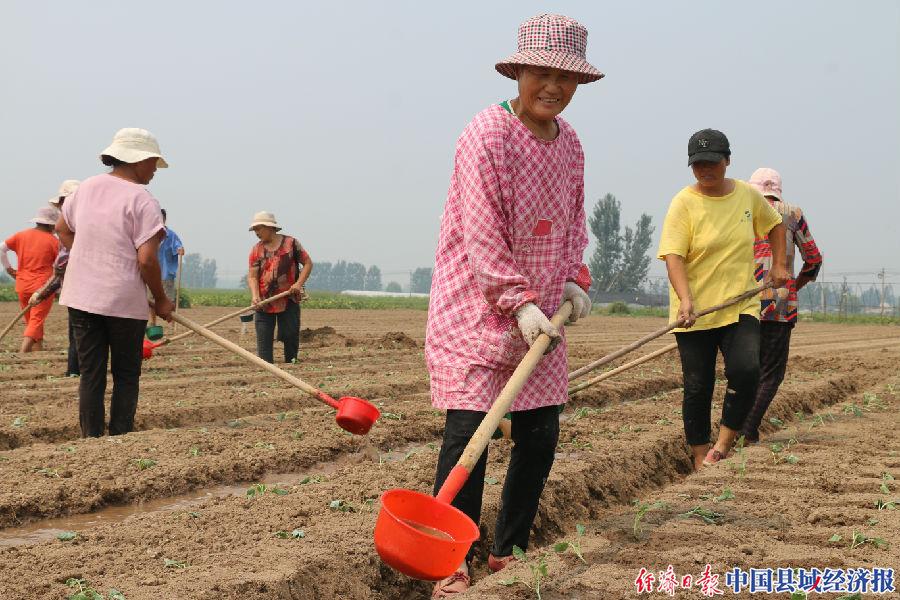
(513, 231)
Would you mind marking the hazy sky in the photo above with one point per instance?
(341, 117)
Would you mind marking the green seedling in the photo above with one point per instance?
(740, 467)
(341, 506)
(582, 412)
(860, 540)
(297, 534)
(884, 488)
(47, 472)
(882, 505)
(297, 434)
(663, 421)
(777, 457)
(872, 522)
(538, 570)
(490, 480)
(799, 595)
(853, 409)
(708, 516)
(393, 416)
(235, 423)
(175, 564)
(68, 449)
(19, 421)
(776, 422)
(258, 489)
(194, 451)
(145, 463)
(115, 594)
(835, 538)
(873, 402)
(66, 536)
(726, 494)
(311, 479)
(640, 510)
(853, 596)
(574, 546)
(264, 445)
(511, 581)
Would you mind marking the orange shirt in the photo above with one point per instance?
(35, 252)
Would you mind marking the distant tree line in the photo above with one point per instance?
(620, 261)
(198, 272)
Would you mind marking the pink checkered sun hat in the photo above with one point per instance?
(551, 41)
(767, 181)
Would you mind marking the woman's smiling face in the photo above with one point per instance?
(544, 91)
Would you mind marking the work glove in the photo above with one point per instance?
(533, 322)
(581, 302)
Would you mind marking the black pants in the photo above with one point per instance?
(774, 347)
(535, 434)
(288, 332)
(72, 366)
(739, 343)
(97, 337)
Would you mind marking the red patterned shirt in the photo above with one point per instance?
(781, 305)
(277, 270)
(513, 231)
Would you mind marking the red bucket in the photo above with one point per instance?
(356, 415)
(421, 536)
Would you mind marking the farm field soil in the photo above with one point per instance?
(164, 511)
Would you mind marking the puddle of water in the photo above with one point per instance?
(47, 529)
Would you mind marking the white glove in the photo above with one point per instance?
(581, 302)
(533, 322)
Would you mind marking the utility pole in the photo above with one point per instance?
(824, 295)
(881, 276)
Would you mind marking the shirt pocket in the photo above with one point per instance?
(500, 344)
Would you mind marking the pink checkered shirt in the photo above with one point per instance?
(513, 232)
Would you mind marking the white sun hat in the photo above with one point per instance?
(266, 218)
(46, 215)
(66, 189)
(133, 144)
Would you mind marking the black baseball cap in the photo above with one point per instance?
(708, 145)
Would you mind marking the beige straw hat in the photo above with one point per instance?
(266, 218)
(66, 189)
(133, 145)
(46, 215)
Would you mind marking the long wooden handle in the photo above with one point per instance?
(231, 315)
(661, 332)
(252, 358)
(13, 322)
(482, 436)
(612, 373)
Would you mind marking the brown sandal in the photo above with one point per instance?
(457, 583)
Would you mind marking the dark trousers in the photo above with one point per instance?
(774, 347)
(535, 434)
(739, 343)
(288, 322)
(97, 337)
(72, 366)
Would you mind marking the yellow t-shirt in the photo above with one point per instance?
(715, 236)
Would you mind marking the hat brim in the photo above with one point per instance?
(40, 221)
(555, 59)
(258, 223)
(130, 155)
(54, 202)
(706, 156)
